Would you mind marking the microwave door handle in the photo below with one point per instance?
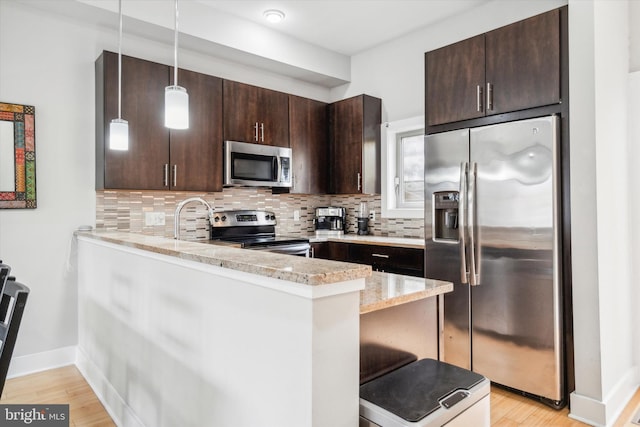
(276, 168)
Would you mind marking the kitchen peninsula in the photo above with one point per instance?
(186, 333)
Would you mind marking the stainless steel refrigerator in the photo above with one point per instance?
(492, 228)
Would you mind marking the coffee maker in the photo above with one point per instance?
(330, 221)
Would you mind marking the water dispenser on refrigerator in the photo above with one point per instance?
(445, 216)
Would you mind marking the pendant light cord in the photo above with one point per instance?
(175, 48)
(120, 62)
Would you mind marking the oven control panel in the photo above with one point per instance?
(242, 218)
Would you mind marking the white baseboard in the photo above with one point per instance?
(605, 413)
(24, 365)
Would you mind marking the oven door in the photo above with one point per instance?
(298, 249)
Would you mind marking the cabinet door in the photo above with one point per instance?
(143, 83)
(454, 82)
(308, 141)
(240, 112)
(523, 63)
(273, 118)
(254, 114)
(345, 130)
(354, 137)
(196, 153)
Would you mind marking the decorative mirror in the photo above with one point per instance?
(17, 156)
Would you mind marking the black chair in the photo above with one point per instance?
(14, 298)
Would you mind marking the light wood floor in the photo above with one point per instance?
(62, 385)
(66, 385)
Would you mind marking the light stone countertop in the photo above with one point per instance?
(302, 270)
(382, 290)
(402, 242)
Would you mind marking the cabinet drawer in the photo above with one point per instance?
(389, 258)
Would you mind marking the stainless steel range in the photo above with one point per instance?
(255, 230)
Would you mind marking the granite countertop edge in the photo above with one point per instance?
(307, 271)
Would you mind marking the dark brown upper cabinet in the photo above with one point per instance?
(158, 158)
(254, 114)
(455, 75)
(142, 166)
(513, 68)
(354, 137)
(196, 153)
(309, 144)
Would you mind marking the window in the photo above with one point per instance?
(409, 179)
(403, 168)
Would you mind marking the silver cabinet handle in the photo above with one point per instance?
(479, 98)
(255, 128)
(166, 175)
(175, 175)
(262, 132)
(462, 212)
(489, 97)
(359, 180)
(380, 256)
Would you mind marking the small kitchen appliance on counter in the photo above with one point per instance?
(363, 219)
(255, 230)
(426, 393)
(330, 221)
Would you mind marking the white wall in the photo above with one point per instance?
(634, 176)
(47, 60)
(48, 63)
(606, 372)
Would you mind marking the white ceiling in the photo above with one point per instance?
(346, 26)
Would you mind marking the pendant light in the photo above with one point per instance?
(176, 98)
(118, 128)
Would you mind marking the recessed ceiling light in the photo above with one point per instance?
(273, 15)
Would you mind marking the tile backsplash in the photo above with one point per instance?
(127, 210)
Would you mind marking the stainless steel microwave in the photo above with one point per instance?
(256, 165)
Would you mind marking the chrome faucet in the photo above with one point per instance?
(176, 216)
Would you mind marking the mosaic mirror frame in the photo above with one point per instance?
(22, 117)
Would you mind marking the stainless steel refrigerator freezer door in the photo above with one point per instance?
(516, 332)
(444, 154)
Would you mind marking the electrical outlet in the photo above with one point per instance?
(372, 215)
(296, 215)
(153, 218)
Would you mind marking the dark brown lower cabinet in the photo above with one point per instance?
(390, 259)
(334, 251)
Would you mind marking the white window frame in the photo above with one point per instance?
(390, 132)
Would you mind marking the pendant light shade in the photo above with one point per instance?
(118, 128)
(119, 134)
(176, 107)
(176, 98)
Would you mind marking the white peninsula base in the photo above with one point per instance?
(170, 342)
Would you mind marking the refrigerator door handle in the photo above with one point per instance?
(474, 238)
(462, 221)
